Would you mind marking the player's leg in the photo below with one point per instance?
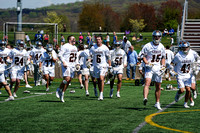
(119, 84)
(111, 87)
(80, 79)
(146, 89)
(86, 84)
(7, 88)
(46, 77)
(17, 83)
(187, 96)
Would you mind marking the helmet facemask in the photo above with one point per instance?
(157, 35)
(3, 45)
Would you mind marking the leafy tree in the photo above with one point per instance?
(137, 25)
(33, 14)
(169, 14)
(52, 17)
(140, 11)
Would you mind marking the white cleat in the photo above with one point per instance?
(38, 83)
(111, 93)
(186, 106)
(28, 86)
(47, 89)
(10, 98)
(177, 97)
(100, 97)
(87, 93)
(0, 92)
(108, 82)
(118, 95)
(14, 94)
(62, 97)
(192, 103)
(157, 105)
(81, 86)
(58, 92)
(195, 94)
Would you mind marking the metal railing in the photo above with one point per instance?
(184, 17)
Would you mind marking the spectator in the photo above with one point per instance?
(165, 32)
(141, 37)
(124, 36)
(88, 38)
(172, 40)
(114, 37)
(46, 38)
(132, 59)
(27, 39)
(38, 37)
(134, 37)
(171, 31)
(107, 39)
(62, 40)
(80, 38)
(126, 44)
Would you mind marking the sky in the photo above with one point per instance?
(33, 3)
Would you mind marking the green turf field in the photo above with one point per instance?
(45, 113)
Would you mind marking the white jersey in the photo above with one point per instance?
(19, 58)
(125, 46)
(99, 55)
(118, 58)
(169, 56)
(68, 54)
(47, 60)
(4, 54)
(36, 54)
(80, 58)
(153, 53)
(84, 56)
(183, 63)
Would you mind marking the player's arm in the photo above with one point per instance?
(125, 60)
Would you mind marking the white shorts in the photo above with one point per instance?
(68, 72)
(2, 78)
(92, 71)
(117, 71)
(183, 81)
(153, 74)
(85, 71)
(48, 70)
(101, 71)
(17, 74)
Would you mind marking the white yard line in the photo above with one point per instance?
(141, 125)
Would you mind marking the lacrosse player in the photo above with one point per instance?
(47, 65)
(4, 60)
(182, 61)
(169, 58)
(20, 58)
(68, 57)
(118, 62)
(154, 59)
(35, 54)
(100, 54)
(84, 70)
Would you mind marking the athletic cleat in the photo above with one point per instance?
(28, 86)
(10, 98)
(195, 94)
(192, 103)
(70, 84)
(0, 92)
(38, 83)
(118, 95)
(14, 94)
(111, 93)
(177, 97)
(62, 97)
(81, 86)
(157, 105)
(47, 89)
(186, 106)
(87, 93)
(58, 92)
(44, 82)
(100, 97)
(108, 82)
(145, 101)
(95, 92)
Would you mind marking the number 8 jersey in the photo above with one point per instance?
(154, 53)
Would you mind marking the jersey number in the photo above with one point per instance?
(185, 68)
(49, 61)
(118, 60)
(98, 58)
(19, 61)
(72, 57)
(37, 56)
(156, 58)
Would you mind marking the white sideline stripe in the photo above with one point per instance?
(28, 97)
(137, 129)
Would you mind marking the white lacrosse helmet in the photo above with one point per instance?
(117, 44)
(21, 44)
(2, 45)
(184, 46)
(49, 48)
(38, 45)
(156, 36)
